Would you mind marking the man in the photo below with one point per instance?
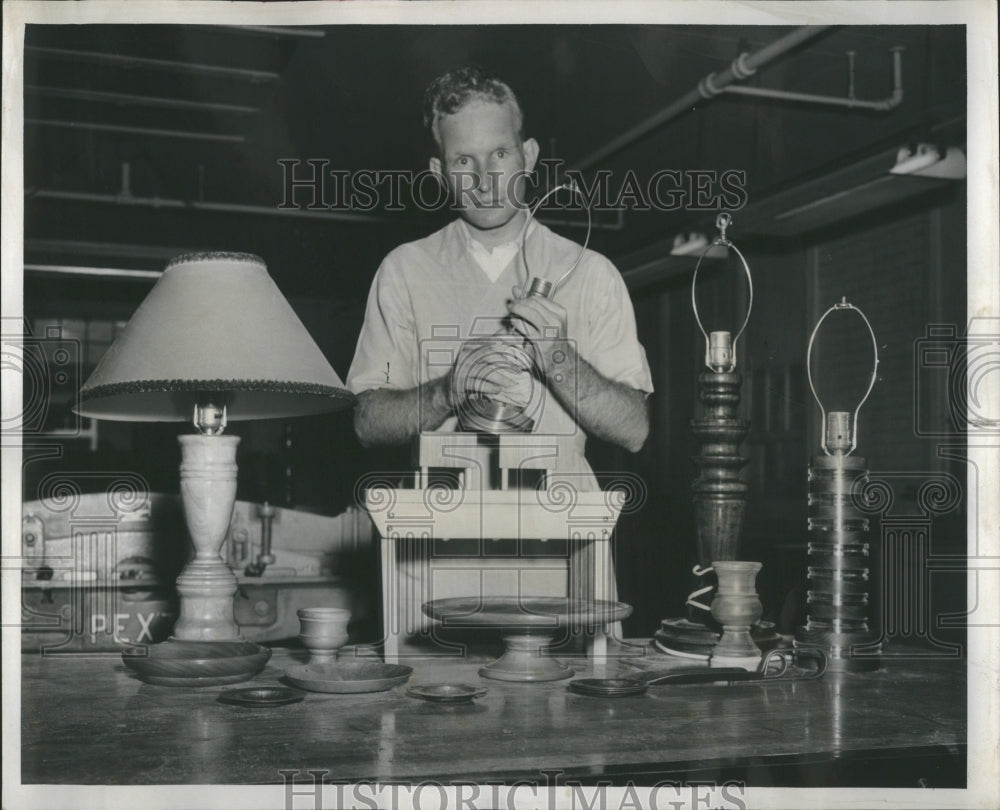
(470, 273)
(467, 270)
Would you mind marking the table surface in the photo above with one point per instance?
(88, 720)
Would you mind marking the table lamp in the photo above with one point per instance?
(214, 341)
(837, 571)
(720, 495)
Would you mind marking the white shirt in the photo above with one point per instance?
(430, 295)
(493, 261)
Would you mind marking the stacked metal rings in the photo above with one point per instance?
(837, 602)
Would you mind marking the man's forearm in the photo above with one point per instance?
(391, 416)
(604, 408)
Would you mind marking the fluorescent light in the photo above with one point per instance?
(908, 162)
(927, 160)
(951, 167)
(689, 244)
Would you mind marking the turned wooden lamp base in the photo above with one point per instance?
(206, 648)
(206, 590)
(207, 585)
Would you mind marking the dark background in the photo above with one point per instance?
(148, 103)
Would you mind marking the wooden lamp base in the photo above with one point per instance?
(207, 585)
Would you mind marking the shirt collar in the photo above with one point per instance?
(477, 247)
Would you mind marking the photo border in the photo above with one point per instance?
(983, 294)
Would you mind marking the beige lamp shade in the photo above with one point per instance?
(214, 323)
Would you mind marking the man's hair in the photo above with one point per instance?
(451, 91)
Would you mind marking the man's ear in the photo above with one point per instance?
(435, 167)
(530, 148)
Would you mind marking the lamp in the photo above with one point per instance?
(837, 598)
(719, 493)
(214, 341)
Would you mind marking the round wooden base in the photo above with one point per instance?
(526, 659)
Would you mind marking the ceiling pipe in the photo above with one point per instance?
(881, 105)
(745, 65)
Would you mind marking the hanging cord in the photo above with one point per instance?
(692, 599)
(569, 185)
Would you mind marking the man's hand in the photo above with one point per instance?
(543, 323)
(493, 368)
(602, 407)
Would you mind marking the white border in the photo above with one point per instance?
(983, 300)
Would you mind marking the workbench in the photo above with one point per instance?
(89, 721)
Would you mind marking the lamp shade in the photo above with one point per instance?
(214, 323)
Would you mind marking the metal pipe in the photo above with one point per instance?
(882, 105)
(130, 130)
(201, 205)
(810, 98)
(266, 557)
(79, 94)
(742, 67)
(156, 64)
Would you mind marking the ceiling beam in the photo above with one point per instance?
(130, 130)
(80, 94)
(99, 57)
(80, 247)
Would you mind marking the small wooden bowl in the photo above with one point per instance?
(197, 663)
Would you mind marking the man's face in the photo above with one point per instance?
(484, 162)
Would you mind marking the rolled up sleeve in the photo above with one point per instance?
(386, 354)
(615, 349)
